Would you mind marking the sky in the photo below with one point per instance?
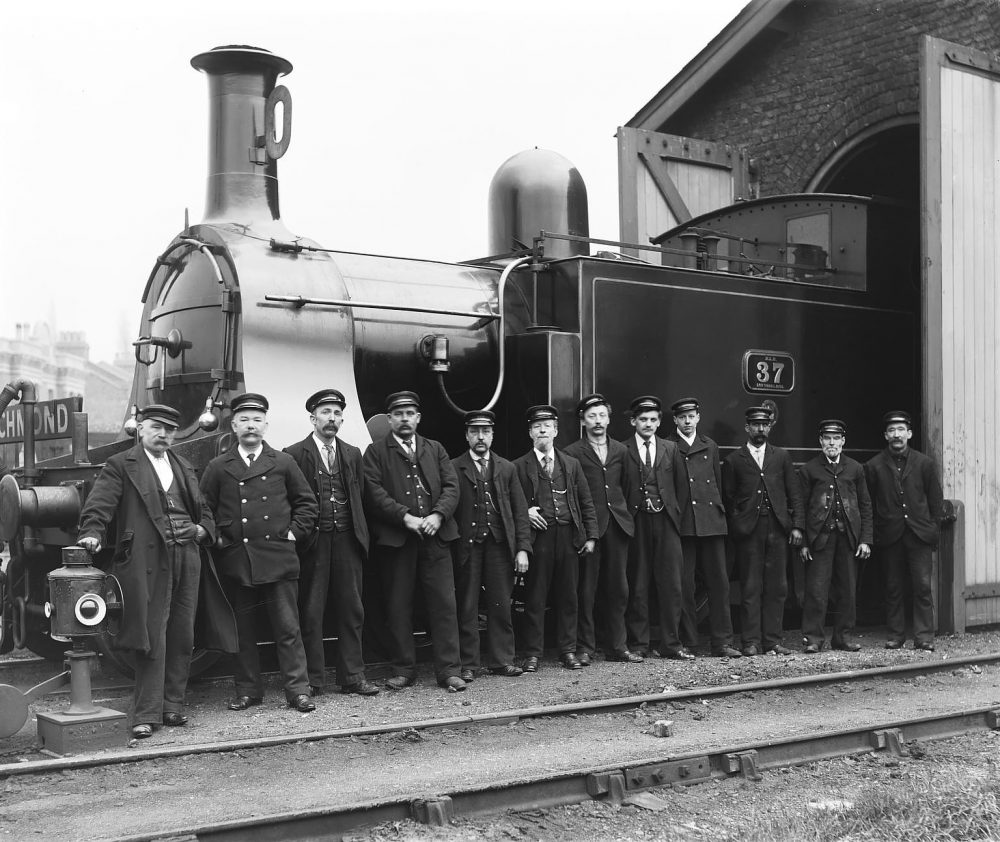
(401, 114)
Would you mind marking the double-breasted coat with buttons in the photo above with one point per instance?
(387, 471)
(578, 500)
(668, 467)
(127, 493)
(510, 503)
(255, 508)
(911, 498)
(821, 481)
(702, 510)
(744, 483)
(306, 456)
(607, 482)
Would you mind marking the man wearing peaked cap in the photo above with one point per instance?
(703, 528)
(152, 497)
(764, 506)
(655, 559)
(563, 529)
(411, 492)
(263, 506)
(333, 558)
(838, 531)
(604, 570)
(494, 540)
(908, 507)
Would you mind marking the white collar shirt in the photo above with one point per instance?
(757, 453)
(245, 454)
(161, 465)
(640, 442)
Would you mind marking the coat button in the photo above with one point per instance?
(266, 517)
(267, 537)
(241, 485)
(244, 520)
(246, 540)
(243, 500)
(263, 498)
(264, 477)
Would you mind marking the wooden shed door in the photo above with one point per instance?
(960, 154)
(666, 179)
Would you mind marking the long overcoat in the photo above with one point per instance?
(387, 484)
(743, 485)
(510, 503)
(306, 456)
(255, 508)
(127, 494)
(579, 502)
(702, 510)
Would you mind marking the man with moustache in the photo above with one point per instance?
(493, 543)
(263, 506)
(703, 529)
(908, 506)
(764, 504)
(654, 482)
(411, 491)
(564, 529)
(333, 560)
(152, 497)
(604, 570)
(838, 530)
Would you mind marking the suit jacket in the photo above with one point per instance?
(386, 467)
(306, 456)
(702, 510)
(742, 485)
(510, 503)
(255, 508)
(127, 493)
(581, 506)
(820, 480)
(607, 483)
(669, 470)
(912, 499)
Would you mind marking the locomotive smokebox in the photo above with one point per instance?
(538, 190)
(250, 122)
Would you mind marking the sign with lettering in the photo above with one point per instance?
(53, 420)
(768, 372)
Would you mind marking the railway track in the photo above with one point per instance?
(616, 783)
(506, 717)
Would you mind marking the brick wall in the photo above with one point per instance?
(843, 65)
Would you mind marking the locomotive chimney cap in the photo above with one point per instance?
(231, 56)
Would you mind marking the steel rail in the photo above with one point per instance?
(507, 717)
(613, 783)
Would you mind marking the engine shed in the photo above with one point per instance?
(898, 100)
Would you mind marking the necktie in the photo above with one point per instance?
(547, 465)
(481, 465)
(411, 455)
(331, 456)
(250, 458)
(649, 459)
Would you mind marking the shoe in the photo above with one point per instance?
(141, 732)
(302, 703)
(811, 649)
(360, 688)
(530, 664)
(583, 658)
(750, 651)
(398, 682)
(468, 676)
(846, 646)
(244, 702)
(174, 719)
(681, 654)
(453, 684)
(626, 657)
(926, 646)
(778, 649)
(507, 671)
(727, 652)
(896, 644)
(314, 690)
(641, 651)
(568, 660)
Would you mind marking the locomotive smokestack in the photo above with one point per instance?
(248, 132)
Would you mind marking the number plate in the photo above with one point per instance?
(768, 372)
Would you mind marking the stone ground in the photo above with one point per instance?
(168, 795)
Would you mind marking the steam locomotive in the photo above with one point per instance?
(798, 302)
